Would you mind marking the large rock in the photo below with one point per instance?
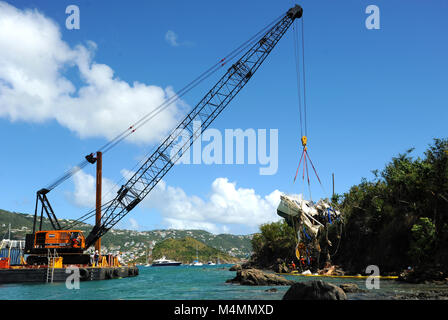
(424, 274)
(332, 271)
(314, 290)
(350, 288)
(235, 267)
(255, 277)
(282, 268)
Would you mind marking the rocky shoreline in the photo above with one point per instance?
(255, 277)
(248, 274)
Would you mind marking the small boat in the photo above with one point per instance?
(196, 262)
(210, 263)
(164, 262)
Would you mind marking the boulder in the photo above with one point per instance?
(332, 271)
(422, 275)
(282, 268)
(255, 277)
(314, 290)
(350, 288)
(235, 267)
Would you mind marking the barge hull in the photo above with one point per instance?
(39, 275)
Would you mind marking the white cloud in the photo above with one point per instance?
(34, 87)
(171, 38)
(134, 224)
(84, 194)
(226, 208)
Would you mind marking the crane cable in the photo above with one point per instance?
(305, 157)
(301, 78)
(304, 76)
(153, 113)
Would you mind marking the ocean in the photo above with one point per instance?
(184, 283)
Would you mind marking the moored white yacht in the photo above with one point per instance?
(164, 262)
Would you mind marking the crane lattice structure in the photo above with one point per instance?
(170, 150)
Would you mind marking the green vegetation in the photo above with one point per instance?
(400, 218)
(16, 220)
(22, 224)
(423, 240)
(184, 250)
(275, 240)
(135, 243)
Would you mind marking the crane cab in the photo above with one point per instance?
(69, 241)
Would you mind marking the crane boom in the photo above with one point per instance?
(211, 105)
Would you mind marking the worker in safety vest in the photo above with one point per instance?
(96, 257)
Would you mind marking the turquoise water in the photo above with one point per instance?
(153, 283)
(179, 283)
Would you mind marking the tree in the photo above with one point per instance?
(423, 241)
(275, 240)
(400, 217)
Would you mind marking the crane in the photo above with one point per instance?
(72, 243)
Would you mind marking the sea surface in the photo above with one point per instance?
(185, 283)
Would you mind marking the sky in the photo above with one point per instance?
(370, 94)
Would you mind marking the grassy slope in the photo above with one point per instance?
(184, 250)
(128, 240)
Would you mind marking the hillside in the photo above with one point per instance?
(133, 244)
(184, 250)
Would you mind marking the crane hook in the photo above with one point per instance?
(304, 141)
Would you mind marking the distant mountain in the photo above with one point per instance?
(134, 245)
(188, 249)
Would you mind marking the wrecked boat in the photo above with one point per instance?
(313, 216)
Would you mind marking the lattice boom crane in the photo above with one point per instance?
(169, 151)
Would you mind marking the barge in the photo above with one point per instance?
(41, 274)
(14, 268)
